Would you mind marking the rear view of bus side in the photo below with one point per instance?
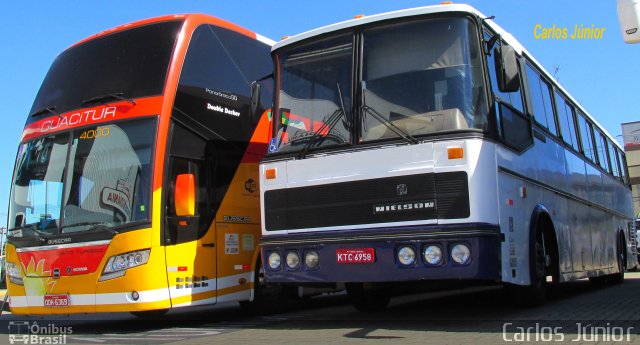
(428, 145)
(136, 181)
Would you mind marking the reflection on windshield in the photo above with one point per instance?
(423, 77)
(131, 62)
(419, 77)
(107, 180)
(315, 89)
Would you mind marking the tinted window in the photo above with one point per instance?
(585, 136)
(623, 166)
(567, 124)
(133, 62)
(537, 102)
(601, 149)
(215, 83)
(615, 167)
(513, 98)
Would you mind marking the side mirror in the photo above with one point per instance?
(507, 69)
(255, 101)
(629, 16)
(185, 195)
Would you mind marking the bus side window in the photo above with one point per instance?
(512, 98)
(567, 123)
(624, 174)
(586, 137)
(615, 167)
(542, 108)
(601, 147)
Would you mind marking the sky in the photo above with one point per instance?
(601, 74)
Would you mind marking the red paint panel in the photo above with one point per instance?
(93, 116)
(70, 261)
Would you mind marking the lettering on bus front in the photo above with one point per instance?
(78, 118)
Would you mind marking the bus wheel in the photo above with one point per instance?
(618, 278)
(267, 298)
(535, 294)
(368, 299)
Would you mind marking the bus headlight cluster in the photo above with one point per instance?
(460, 254)
(117, 265)
(13, 271)
(407, 255)
(291, 259)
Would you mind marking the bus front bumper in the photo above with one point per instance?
(468, 252)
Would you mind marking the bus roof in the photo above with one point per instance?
(445, 8)
(186, 17)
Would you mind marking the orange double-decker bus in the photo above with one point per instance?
(135, 182)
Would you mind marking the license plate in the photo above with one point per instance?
(53, 301)
(355, 256)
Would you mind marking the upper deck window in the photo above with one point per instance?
(132, 62)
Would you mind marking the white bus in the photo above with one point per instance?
(428, 145)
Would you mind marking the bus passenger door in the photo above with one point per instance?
(189, 234)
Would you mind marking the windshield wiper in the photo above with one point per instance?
(45, 110)
(39, 235)
(328, 125)
(96, 226)
(109, 96)
(369, 110)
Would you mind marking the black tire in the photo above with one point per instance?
(368, 300)
(150, 314)
(267, 298)
(618, 278)
(535, 294)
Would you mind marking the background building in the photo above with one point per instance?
(631, 139)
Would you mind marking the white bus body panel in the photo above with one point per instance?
(388, 161)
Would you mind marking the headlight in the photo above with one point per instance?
(293, 259)
(274, 260)
(125, 261)
(13, 271)
(433, 255)
(406, 256)
(311, 259)
(460, 254)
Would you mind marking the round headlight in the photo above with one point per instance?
(274, 260)
(433, 255)
(311, 259)
(460, 254)
(293, 259)
(406, 256)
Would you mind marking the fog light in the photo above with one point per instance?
(406, 256)
(274, 261)
(460, 254)
(433, 255)
(293, 260)
(311, 259)
(135, 295)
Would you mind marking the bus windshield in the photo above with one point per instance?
(418, 78)
(80, 180)
(132, 63)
